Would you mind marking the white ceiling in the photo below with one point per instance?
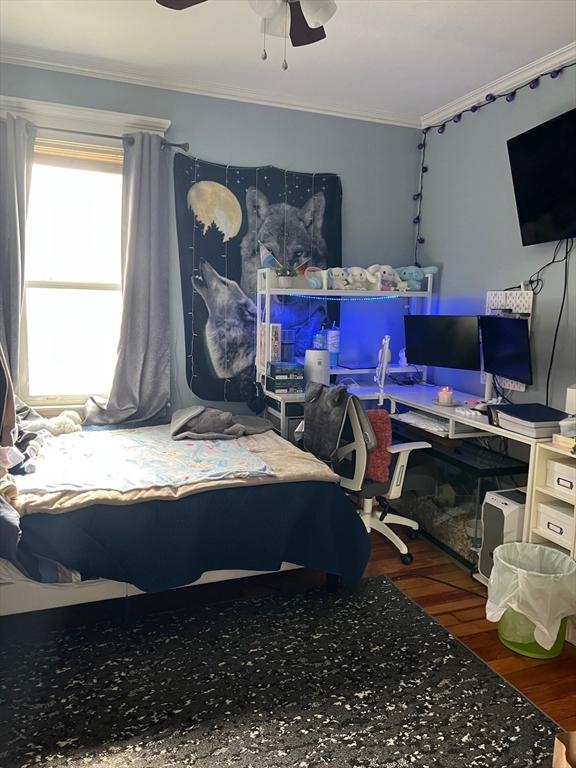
(383, 59)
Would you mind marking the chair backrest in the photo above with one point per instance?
(338, 429)
(357, 439)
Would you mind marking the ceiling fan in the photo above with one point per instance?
(301, 20)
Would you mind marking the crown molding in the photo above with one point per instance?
(63, 116)
(28, 58)
(565, 55)
(22, 56)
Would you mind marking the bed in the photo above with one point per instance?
(125, 511)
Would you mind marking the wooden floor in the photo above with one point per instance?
(550, 684)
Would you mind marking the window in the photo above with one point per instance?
(73, 299)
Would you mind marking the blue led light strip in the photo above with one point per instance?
(347, 298)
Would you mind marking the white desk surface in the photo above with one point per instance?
(421, 396)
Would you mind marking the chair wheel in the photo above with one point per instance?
(406, 558)
(413, 534)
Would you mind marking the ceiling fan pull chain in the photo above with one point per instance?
(285, 63)
(264, 55)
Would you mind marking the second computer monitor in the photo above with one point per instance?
(506, 347)
(444, 341)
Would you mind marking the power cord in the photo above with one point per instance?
(439, 581)
(536, 284)
(499, 390)
(565, 259)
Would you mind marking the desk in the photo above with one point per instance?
(420, 398)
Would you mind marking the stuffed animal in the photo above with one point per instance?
(67, 421)
(315, 277)
(414, 276)
(387, 276)
(376, 270)
(359, 279)
(337, 278)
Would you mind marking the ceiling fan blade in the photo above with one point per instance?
(300, 32)
(179, 5)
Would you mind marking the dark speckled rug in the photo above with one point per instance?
(360, 680)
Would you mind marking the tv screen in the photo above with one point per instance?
(543, 164)
(445, 341)
(506, 347)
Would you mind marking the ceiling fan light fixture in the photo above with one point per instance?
(318, 12)
(266, 9)
(275, 24)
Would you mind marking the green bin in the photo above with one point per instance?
(515, 625)
(531, 593)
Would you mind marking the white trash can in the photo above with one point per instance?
(531, 592)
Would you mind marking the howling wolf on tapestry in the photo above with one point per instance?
(225, 215)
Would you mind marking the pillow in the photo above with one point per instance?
(379, 459)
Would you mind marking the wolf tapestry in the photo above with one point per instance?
(225, 216)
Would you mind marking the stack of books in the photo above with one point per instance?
(530, 419)
(564, 442)
(285, 378)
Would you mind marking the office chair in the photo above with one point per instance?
(357, 439)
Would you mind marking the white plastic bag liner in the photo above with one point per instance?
(537, 581)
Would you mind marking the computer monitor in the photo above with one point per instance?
(445, 341)
(506, 347)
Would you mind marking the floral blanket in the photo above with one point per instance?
(135, 459)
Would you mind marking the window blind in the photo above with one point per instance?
(74, 154)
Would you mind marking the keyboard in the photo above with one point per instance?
(429, 423)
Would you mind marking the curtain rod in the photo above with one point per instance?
(184, 147)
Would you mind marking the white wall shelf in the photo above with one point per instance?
(268, 288)
(321, 293)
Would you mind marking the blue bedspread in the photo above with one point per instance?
(158, 545)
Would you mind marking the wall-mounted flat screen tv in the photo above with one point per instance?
(543, 164)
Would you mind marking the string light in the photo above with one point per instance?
(490, 98)
(351, 298)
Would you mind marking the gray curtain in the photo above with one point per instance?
(141, 386)
(16, 154)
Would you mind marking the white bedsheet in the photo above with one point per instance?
(136, 459)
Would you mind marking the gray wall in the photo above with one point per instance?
(377, 163)
(469, 215)
(471, 228)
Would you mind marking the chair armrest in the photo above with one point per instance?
(397, 482)
(402, 447)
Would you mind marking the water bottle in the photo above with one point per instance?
(333, 344)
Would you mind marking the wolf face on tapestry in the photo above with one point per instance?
(231, 221)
